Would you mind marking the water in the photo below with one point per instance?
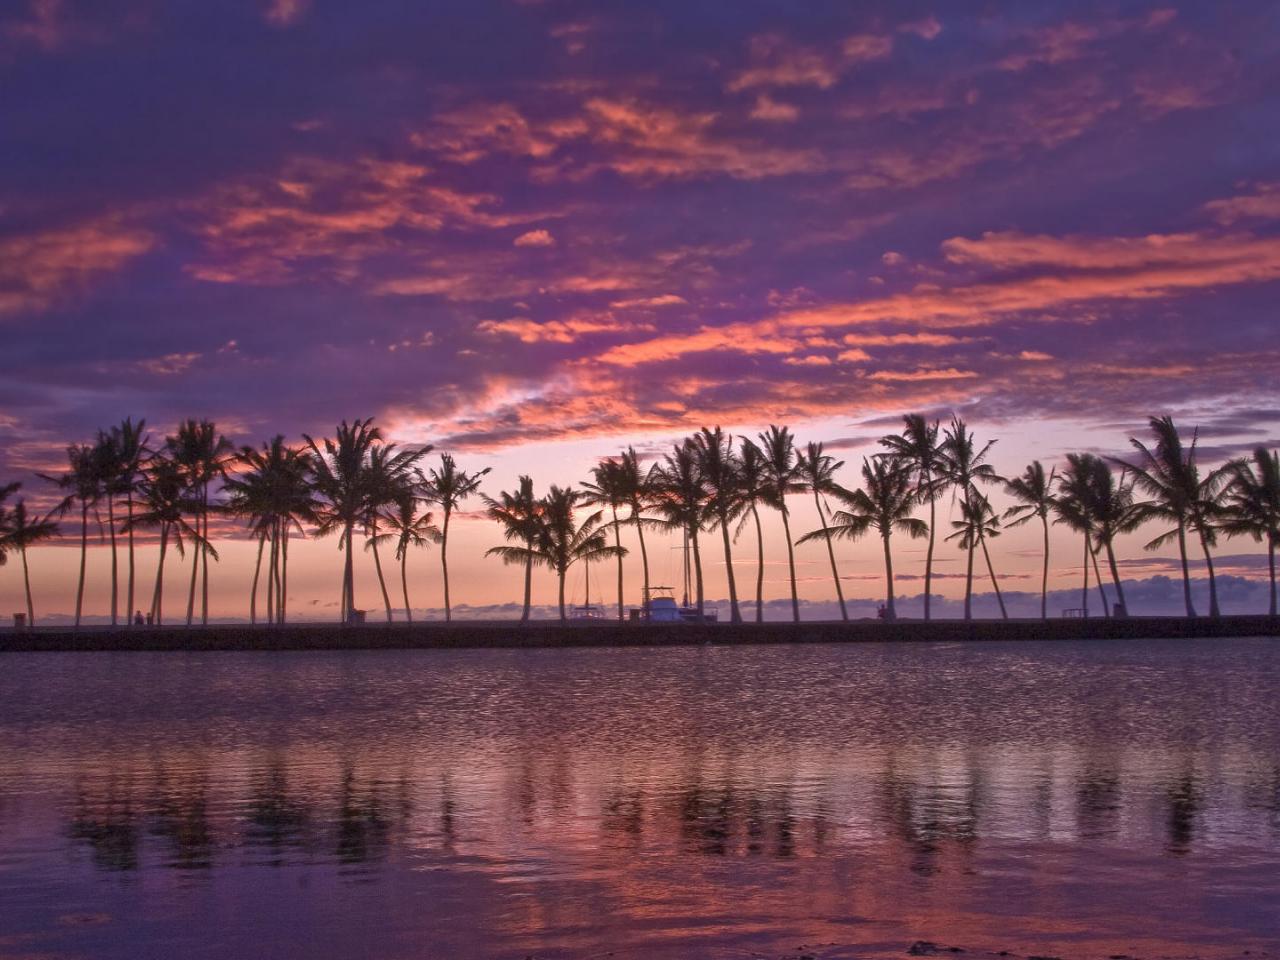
(1078, 800)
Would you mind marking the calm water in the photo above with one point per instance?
(1079, 800)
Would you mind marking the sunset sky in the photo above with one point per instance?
(534, 232)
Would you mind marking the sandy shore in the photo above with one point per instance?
(312, 636)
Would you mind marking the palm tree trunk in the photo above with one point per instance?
(528, 582)
(377, 565)
(891, 612)
(1004, 614)
(1102, 590)
(561, 573)
(1271, 563)
(444, 566)
(735, 615)
(404, 582)
(1214, 610)
(84, 554)
(128, 503)
(1115, 576)
(644, 553)
(349, 578)
(617, 542)
(968, 584)
(1084, 590)
(204, 557)
(1186, 571)
(697, 570)
(31, 611)
(257, 573)
(281, 605)
(928, 557)
(831, 554)
(272, 561)
(195, 572)
(115, 566)
(157, 600)
(755, 515)
(791, 566)
(1044, 581)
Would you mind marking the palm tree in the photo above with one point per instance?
(1113, 513)
(961, 466)
(680, 495)
(83, 483)
(109, 469)
(1073, 506)
(978, 523)
(409, 528)
(1169, 475)
(448, 487)
(165, 503)
(781, 478)
(519, 513)
(917, 446)
(884, 505)
(754, 489)
(561, 540)
(1034, 493)
(130, 441)
(203, 454)
(1253, 505)
(390, 483)
(719, 468)
(609, 488)
(637, 488)
(816, 470)
(340, 479)
(19, 531)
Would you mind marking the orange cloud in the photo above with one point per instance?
(767, 108)
(38, 270)
(735, 337)
(923, 374)
(663, 300)
(558, 331)
(775, 62)
(1262, 204)
(535, 238)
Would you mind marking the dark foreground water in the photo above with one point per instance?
(1074, 800)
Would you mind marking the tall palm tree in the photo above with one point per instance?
(978, 523)
(885, 504)
(519, 513)
(1073, 507)
(562, 541)
(754, 489)
(20, 531)
(109, 469)
(637, 487)
(1167, 473)
(1113, 513)
(816, 470)
(203, 454)
(341, 481)
(165, 503)
(918, 447)
(609, 488)
(1034, 493)
(719, 467)
(390, 482)
(449, 486)
(408, 527)
(781, 479)
(680, 496)
(1253, 505)
(130, 442)
(82, 483)
(962, 465)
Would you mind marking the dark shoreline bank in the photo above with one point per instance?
(509, 634)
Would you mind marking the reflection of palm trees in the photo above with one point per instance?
(917, 447)
(1185, 799)
(363, 827)
(277, 820)
(109, 825)
(1034, 493)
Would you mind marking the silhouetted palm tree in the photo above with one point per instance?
(961, 466)
(1112, 509)
(1170, 476)
(754, 489)
(130, 443)
(390, 482)
(203, 454)
(816, 470)
(1073, 507)
(1034, 493)
(81, 483)
(609, 488)
(19, 531)
(638, 487)
(917, 446)
(520, 515)
(165, 504)
(409, 528)
(978, 523)
(448, 487)
(680, 495)
(1253, 505)
(781, 477)
(109, 469)
(885, 505)
(340, 479)
(719, 467)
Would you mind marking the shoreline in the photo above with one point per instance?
(553, 633)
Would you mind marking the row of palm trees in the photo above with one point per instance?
(361, 487)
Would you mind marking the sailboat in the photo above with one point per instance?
(587, 610)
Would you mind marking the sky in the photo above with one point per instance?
(532, 233)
